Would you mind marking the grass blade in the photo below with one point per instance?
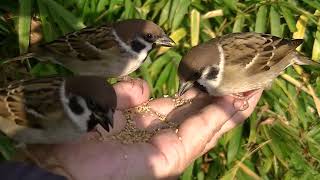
(239, 23)
(316, 44)
(234, 143)
(165, 13)
(261, 21)
(194, 27)
(188, 173)
(24, 24)
(275, 24)
(288, 16)
(181, 10)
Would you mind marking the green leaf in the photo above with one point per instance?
(102, 4)
(187, 174)
(232, 4)
(159, 6)
(128, 9)
(65, 19)
(145, 74)
(275, 23)
(173, 82)
(165, 13)
(288, 16)
(180, 12)
(48, 29)
(312, 3)
(173, 10)
(163, 77)
(158, 65)
(234, 143)
(239, 23)
(43, 70)
(24, 24)
(194, 27)
(6, 147)
(261, 21)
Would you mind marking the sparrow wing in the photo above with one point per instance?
(256, 52)
(30, 103)
(85, 44)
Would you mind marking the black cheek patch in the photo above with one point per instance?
(137, 46)
(75, 106)
(213, 73)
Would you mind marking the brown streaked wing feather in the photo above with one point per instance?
(84, 44)
(256, 52)
(32, 102)
(3, 106)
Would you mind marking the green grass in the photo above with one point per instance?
(281, 140)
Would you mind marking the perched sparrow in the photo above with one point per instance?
(112, 50)
(55, 109)
(238, 62)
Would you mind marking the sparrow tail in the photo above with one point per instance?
(303, 60)
(19, 58)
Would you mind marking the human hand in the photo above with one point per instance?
(167, 153)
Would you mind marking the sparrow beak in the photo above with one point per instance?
(184, 87)
(165, 41)
(105, 122)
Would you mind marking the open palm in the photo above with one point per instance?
(167, 153)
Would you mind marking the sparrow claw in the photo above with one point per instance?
(240, 102)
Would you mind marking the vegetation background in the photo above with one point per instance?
(281, 140)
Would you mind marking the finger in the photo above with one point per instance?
(160, 107)
(198, 130)
(131, 93)
(166, 105)
(238, 118)
(182, 147)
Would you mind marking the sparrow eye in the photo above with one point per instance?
(149, 37)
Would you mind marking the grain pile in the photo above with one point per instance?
(131, 134)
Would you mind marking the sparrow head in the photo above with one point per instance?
(89, 100)
(140, 34)
(200, 67)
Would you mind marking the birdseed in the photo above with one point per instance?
(132, 134)
(178, 101)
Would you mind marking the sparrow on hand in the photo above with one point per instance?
(56, 109)
(112, 50)
(239, 62)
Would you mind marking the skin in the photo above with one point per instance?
(167, 154)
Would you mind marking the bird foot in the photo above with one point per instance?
(132, 81)
(240, 101)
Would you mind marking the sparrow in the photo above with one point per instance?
(53, 110)
(238, 62)
(111, 50)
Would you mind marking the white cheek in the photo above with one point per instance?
(144, 53)
(210, 85)
(81, 120)
(140, 56)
